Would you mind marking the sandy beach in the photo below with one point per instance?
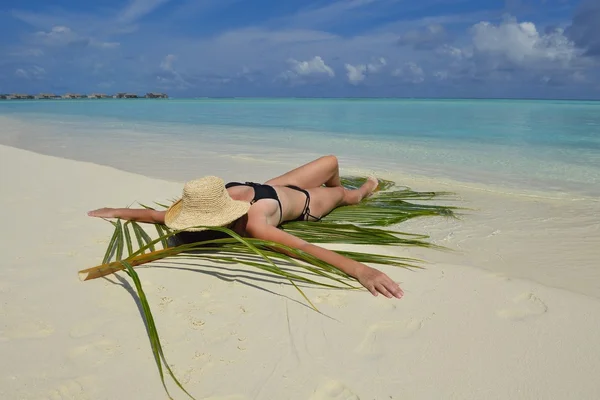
(512, 312)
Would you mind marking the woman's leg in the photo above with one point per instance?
(322, 171)
(324, 199)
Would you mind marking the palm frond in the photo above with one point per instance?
(388, 207)
(159, 356)
(347, 233)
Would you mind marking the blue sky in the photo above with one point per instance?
(188, 48)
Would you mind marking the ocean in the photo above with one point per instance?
(532, 144)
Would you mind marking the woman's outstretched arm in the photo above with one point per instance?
(372, 279)
(130, 214)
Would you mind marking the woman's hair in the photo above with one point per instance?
(197, 237)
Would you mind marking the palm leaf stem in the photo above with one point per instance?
(153, 332)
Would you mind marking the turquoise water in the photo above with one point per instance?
(540, 143)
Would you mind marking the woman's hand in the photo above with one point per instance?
(377, 282)
(104, 213)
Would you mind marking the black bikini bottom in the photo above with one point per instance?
(306, 212)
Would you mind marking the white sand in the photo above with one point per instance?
(467, 328)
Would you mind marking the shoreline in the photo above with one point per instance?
(223, 153)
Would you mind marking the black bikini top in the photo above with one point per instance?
(261, 191)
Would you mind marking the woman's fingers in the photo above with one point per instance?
(383, 290)
(373, 290)
(395, 289)
(101, 213)
(390, 289)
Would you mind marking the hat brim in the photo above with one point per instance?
(177, 220)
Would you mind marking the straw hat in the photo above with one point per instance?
(206, 202)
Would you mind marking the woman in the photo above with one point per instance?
(256, 210)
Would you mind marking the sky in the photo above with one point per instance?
(343, 48)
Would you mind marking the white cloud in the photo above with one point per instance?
(21, 73)
(377, 65)
(167, 63)
(57, 36)
(454, 52)
(410, 72)
(357, 73)
(521, 44)
(311, 70)
(513, 51)
(441, 75)
(35, 72)
(38, 70)
(248, 74)
(170, 77)
(61, 35)
(139, 8)
(106, 45)
(316, 66)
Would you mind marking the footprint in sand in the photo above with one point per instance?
(333, 390)
(381, 334)
(526, 305)
(93, 353)
(4, 287)
(196, 323)
(86, 328)
(70, 390)
(29, 330)
(164, 302)
(333, 299)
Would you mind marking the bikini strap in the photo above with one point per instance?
(280, 210)
(306, 211)
(232, 184)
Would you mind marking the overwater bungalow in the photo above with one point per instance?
(19, 96)
(98, 96)
(125, 96)
(47, 96)
(153, 95)
(73, 96)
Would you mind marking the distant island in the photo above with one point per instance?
(52, 96)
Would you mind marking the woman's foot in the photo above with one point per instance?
(368, 187)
